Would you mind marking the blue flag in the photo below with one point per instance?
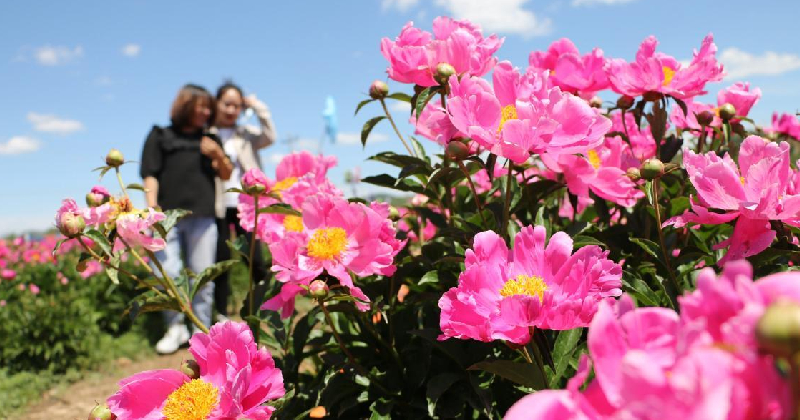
(331, 122)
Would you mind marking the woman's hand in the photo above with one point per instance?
(211, 148)
(251, 101)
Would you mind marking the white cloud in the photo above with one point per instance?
(507, 16)
(593, 2)
(355, 138)
(275, 158)
(54, 124)
(19, 144)
(740, 64)
(401, 106)
(400, 5)
(53, 56)
(131, 50)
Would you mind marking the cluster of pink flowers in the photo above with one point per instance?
(785, 124)
(652, 363)
(760, 189)
(504, 293)
(415, 54)
(234, 381)
(331, 236)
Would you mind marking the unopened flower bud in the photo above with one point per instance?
(254, 182)
(456, 150)
(318, 289)
(633, 174)
(394, 214)
(596, 102)
(255, 189)
(114, 158)
(101, 412)
(652, 169)
(727, 112)
(378, 90)
(652, 96)
(778, 329)
(81, 266)
(705, 118)
(190, 368)
(443, 73)
(625, 102)
(71, 224)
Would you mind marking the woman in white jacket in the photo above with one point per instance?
(241, 143)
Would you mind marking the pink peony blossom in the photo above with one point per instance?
(414, 55)
(69, 218)
(523, 115)
(755, 192)
(34, 289)
(236, 378)
(255, 178)
(502, 293)
(689, 121)
(7, 274)
(581, 75)
(337, 237)
(785, 124)
(98, 195)
(740, 96)
(434, 124)
(135, 229)
(657, 72)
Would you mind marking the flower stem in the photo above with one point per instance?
(182, 299)
(655, 187)
(391, 120)
(118, 268)
(253, 240)
(352, 360)
(121, 184)
(507, 203)
(474, 191)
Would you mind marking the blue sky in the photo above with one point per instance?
(82, 77)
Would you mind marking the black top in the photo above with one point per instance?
(185, 176)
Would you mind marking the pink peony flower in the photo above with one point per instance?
(689, 121)
(2, 302)
(69, 218)
(434, 124)
(785, 124)
(740, 96)
(523, 115)
(236, 378)
(97, 196)
(92, 268)
(7, 274)
(254, 178)
(414, 55)
(581, 75)
(337, 237)
(755, 192)
(135, 229)
(34, 289)
(502, 293)
(657, 72)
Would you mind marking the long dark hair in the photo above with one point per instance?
(184, 104)
(224, 87)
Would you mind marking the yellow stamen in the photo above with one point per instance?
(524, 285)
(283, 184)
(509, 112)
(668, 75)
(594, 158)
(741, 179)
(327, 243)
(194, 400)
(293, 223)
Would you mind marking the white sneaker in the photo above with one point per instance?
(176, 336)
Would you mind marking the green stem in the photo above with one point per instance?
(474, 191)
(253, 239)
(507, 203)
(182, 299)
(352, 360)
(391, 120)
(702, 142)
(121, 184)
(657, 208)
(116, 267)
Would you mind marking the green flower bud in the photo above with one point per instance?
(443, 73)
(727, 112)
(114, 158)
(190, 368)
(778, 329)
(456, 150)
(378, 90)
(652, 169)
(633, 174)
(318, 289)
(705, 118)
(71, 224)
(101, 412)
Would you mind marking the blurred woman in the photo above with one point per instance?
(179, 166)
(241, 143)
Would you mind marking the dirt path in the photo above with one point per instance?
(74, 402)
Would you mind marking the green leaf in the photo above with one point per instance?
(172, 217)
(422, 99)
(564, 348)
(637, 287)
(400, 96)
(112, 273)
(99, 239)
(398, 160)
(419, 151)
(361, 105)
(650, 247)
(440, 383)
(150, 302)
(524, 374)
(235, 190)
(211, 273)
(429, 277)
(368, 126)
(583, 240)
(135, 187)
(388, 181)
(280, 208)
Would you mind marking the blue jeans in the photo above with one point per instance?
(196, 239)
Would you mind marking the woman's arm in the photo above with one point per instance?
(219, 160)
(268, 135)
(151, 191)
